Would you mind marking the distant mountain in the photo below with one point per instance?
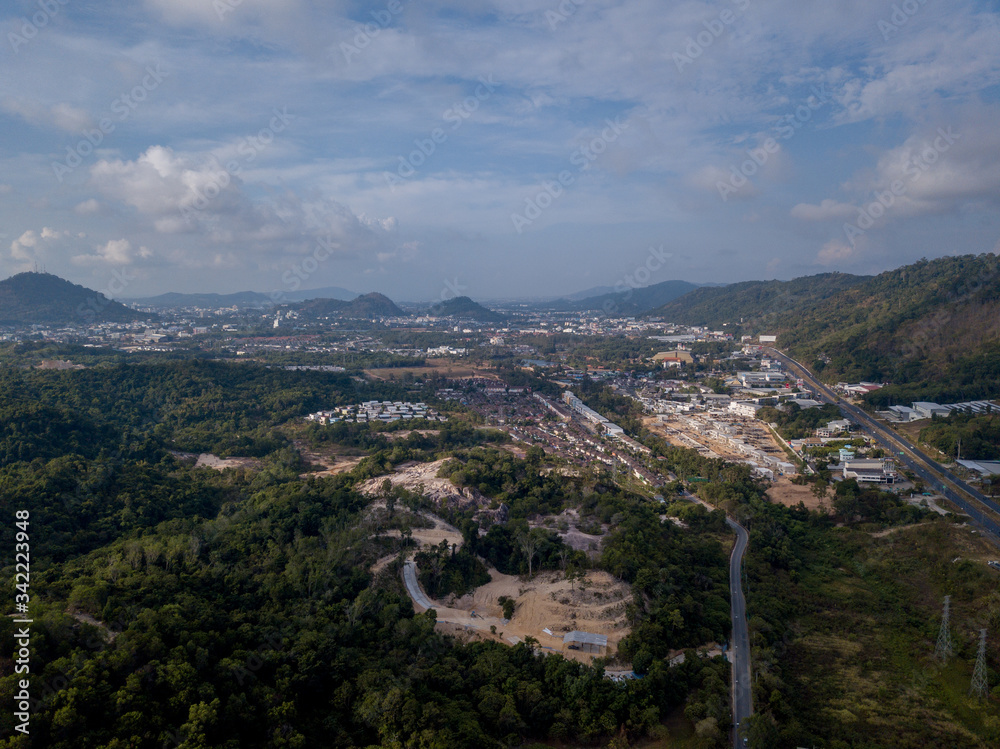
(174, 299)
(42, 298)
(625, 302)
(244, 298)
(591, 292)
(327, 292)
(365, 306)
(463, 308)
(757, 304)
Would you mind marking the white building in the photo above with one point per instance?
(744, 408)
(871, 471)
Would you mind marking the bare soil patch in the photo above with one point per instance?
(784, 492)
(422, 478)
(547, 601)
(572, 536)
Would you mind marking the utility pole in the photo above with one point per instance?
(945, 649)
(980, 687)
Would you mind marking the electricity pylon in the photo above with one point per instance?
(945, 649)
(980, 687)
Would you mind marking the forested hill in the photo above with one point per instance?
(931, 328)
(625, 300)
(465, 309)
(365, 306)
(39, 298)
(758, 304)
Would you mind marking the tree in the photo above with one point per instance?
(528, 541)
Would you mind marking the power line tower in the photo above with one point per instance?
(980, 687)
(945, 649)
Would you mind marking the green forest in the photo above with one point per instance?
(184, 607)
(176, 606)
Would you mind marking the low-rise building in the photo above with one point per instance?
(871, 471)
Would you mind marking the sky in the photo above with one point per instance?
(492, 148)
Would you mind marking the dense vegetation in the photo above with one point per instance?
(176, 606)
(795, 422)
(977, 436)
(753, 305)
(843, 621)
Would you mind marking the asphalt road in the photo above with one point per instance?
(740, 641)
(968, 499)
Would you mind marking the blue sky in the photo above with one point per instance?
(496, 148)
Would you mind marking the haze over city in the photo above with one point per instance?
(507, 148)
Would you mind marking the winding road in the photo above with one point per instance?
(740, 644)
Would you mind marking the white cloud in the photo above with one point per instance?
(87, 207)
(188, 194)
(115, 252)
(40, 246)
(835, 252)
(62, 116)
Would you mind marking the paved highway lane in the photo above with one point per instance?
(929, 470)
(740, 641)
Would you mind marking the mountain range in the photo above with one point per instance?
(623, 301)
(42, 298)
(243, 298)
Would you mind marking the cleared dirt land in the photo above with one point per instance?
(548, 601)
(784, 492)
(423, 478)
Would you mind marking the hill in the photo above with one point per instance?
(628, 302)
(756, 305)
(243, 298)
(463, 308)
(931, 328)
(365, 306)
(42, 298)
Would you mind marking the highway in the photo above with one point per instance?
(933, 473)
(740, 640)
